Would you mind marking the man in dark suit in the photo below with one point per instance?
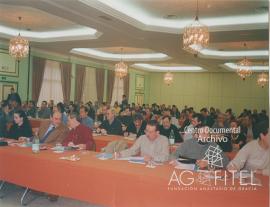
(53, 131)
(136, 127)
(111, 125)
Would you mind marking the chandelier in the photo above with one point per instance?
(168, 78)
(196, 35)
(18, 47)
(262, 79)
(244, 68)
(121, 69)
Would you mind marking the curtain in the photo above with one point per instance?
(118, 90)
(126, 86)
(51, 88)
(66, 80)
(110, 85)
(80, 78)
(37, 76)
(90, 90)
(100, 73)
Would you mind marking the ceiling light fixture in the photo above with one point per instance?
(196, 35)
(243, 67)
(121, 69)
(168, 78)
(18, 46)
(262, 79)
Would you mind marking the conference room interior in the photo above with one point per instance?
(134, 103)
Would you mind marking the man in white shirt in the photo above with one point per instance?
(255, 155)
(152, 146)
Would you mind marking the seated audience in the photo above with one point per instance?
(137, 127)
(44, 112)
(207, 120)
(152, 146)
(79, 135)
(21, 126)
(167, 128)
(85, 119)
(255, 155)
(111, 125)
(197, 147)
(31, 109)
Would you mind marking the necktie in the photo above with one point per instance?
(47, 135)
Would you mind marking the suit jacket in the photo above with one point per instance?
(132, 129)
(114, 128)
(16, 131)
(57, 136)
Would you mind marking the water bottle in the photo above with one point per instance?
(35, 145)
(171, 137)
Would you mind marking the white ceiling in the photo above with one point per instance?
(116, 31)
(33, 19)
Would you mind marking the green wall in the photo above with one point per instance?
(22, 79)
(220, 90)
(132, 84)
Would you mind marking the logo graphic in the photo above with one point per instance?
(204, 178)
(214, 157)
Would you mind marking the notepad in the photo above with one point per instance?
(104, 156)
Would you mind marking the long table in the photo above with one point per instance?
(117, 183)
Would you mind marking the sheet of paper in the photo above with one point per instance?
(104, 156)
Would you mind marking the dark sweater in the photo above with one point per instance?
(132, 129)
(16, 131)
(114, 128)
